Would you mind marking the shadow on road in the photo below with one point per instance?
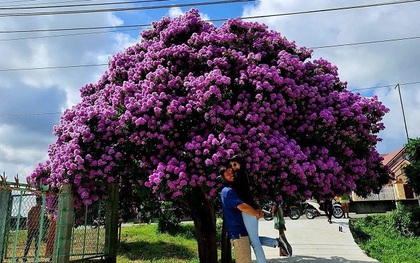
(298, 258)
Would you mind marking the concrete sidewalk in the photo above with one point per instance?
(315, 241)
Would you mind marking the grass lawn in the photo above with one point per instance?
(142, 243)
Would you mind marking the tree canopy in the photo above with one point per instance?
(171, 109)
(412, 171)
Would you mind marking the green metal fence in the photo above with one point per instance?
(88, 234)
(39, 226)
(24, 227)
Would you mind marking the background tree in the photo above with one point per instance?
(172, 109)
(412, 171)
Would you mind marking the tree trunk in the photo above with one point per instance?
(206, 239)
(226, 246)
(203, 214)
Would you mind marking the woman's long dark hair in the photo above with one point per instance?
(241, 183)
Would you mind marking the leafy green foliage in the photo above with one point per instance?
(412, 171)
(406, 221)
(169, 222)
(379, 237)
(169, 219)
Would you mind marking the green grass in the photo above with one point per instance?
(378, 237)
(143, 243)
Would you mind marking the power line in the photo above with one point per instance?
(144, 25)
(28, 114)
(65, 35)
(367, 42)
(214, 20)
(79, 5)
(69, 29)
(319, 47)
(220, 19)
(388, 86)
(54, 67)
(67, 12)
(334, 9)
(135, 27)
(19, 3)
(191, 4)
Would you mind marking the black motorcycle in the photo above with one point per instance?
(293, 211)
(267, 210)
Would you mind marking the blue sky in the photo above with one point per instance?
(377, 48)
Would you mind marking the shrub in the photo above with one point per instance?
(416, 220)
(168, 223)
(406, 220)
(169, 219)
(358, 231)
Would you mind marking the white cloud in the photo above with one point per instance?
(25, 137)
(175, 11)
(19, 157)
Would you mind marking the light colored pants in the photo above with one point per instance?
(242, 249)
(251, 224)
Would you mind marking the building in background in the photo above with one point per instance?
(396, 190)
(396, 161)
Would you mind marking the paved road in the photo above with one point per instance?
(315, 241)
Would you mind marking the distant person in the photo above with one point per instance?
(280, 225)
(328, 208)
(49, 248)
(32, 225)
(345, 201)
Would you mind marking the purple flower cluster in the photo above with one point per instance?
(173, 108)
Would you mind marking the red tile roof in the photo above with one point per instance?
(390, 156)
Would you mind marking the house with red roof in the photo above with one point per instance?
(396, 161)
(396, 190)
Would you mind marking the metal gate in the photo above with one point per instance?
(24, 226)
(37, 225)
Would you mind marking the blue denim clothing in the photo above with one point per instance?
(251, 224)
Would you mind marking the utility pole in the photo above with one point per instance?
(402, 108)
(405, 123)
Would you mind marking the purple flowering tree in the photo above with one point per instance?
(171, 110)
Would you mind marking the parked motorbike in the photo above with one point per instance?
(294, 212)
(313, 209)
(267, 210)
